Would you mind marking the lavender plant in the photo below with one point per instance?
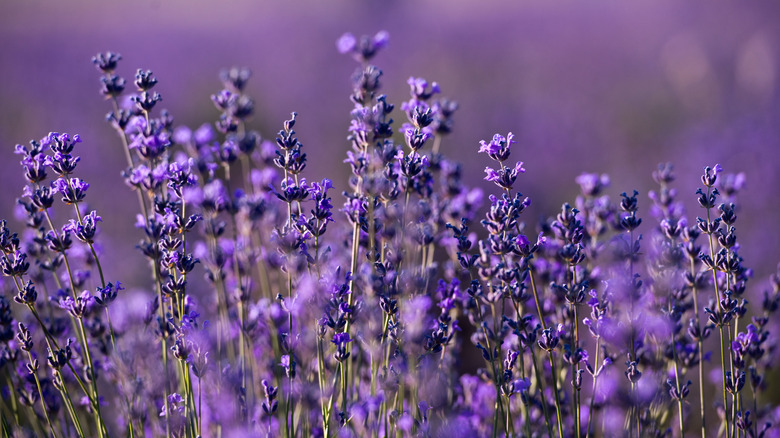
(271, 314)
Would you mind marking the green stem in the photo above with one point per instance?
(71, 410)
(595, 379)
(14, 406)
(40, 393)
(720, 328)
(557, 397)
(700, 344)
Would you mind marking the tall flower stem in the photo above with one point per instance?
(539, 381)
(593, 391)
(575, 370)
(539, 378)
(69, 405)
(557, 397)
(700, 343)
(94, 401)
(14, 406)
(679, 392)
(720, 327)
(43, 403)
(94, 397)
(163, 342)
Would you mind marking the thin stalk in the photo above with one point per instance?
(507, 422)
(163, 345)
(725, 399)
(291, 403)
(200, 409)
(14, 406)
(755, 409)
(575, 369)
(51, 341)
(557, 397)
(720, 328)
(83, 339)
(40, 393)
(339, 372)
(93, 380)
(734, 405)
(593, 395)
(6, 427)
(677, 384)
(350, 298)
(701, 351)
(321, 381)
(71, 410)
(536, 298)
(528, 420)
(539, 379)
(344, 388)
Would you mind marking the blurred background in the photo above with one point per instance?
(607, 87)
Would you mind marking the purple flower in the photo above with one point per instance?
(269, 404)
(525, 248)
(106, 295)
(175, 404)
(592, 184)
(78, 307)
(150, 145)
(346, 43)
(289, 365)
(199, 361)
(363, 49)
(498, 148)
(491, 174)
(72, 191)
(711, 175)
(420, 90)
(415, 137)
(550, 337)
(86, 229)
(341, 340)
(106, 62)
(35, 166)
(61, 143)
(504, 177)
(27, 294)
(320, 190)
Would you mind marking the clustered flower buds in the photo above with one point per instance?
(412, 311)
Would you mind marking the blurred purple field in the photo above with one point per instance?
(607, 88)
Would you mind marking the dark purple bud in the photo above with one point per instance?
(707, 200)
(15, 267)
(24, 337)
(145, 80)
(632, 372)
(146, 101)
(735, 383)
(711, 175)
(235, 78)
(106, 62)
(27, 295)
(629, 203)
(60, 358)
(549, 338)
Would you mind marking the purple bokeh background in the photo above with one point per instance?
(609, 88)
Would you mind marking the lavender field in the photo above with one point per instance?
(389, 219)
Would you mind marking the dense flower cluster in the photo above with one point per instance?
(271, 314)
